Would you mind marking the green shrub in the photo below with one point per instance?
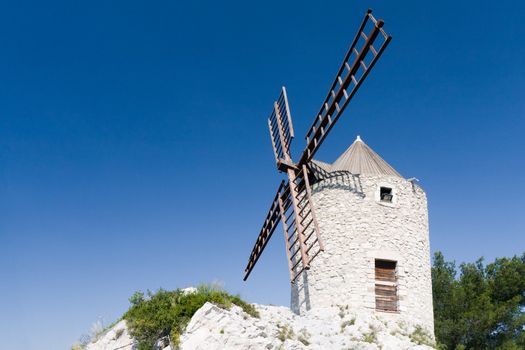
(304, 337)
(136, 298)
(372, 336)
(421, 337)
(284, 333)
(303, 340)
(248, 308)
(119, 333)
(369, 337)
(168, 312)
(175, 338)
(347, 323)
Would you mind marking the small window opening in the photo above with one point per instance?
(386, 286)
(385, 194)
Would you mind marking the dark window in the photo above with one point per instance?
(386, 194)
(386, 286)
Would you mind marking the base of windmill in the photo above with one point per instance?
(338, 327)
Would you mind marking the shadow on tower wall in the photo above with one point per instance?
(302, 292)
(338, 179)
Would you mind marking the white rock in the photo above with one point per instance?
(213, 328)
(279, 328)
(115, 338)
(189, 290)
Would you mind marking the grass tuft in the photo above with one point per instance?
(284, 333)
(347, 323)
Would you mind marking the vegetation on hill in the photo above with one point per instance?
(478, 306)
(164, 313)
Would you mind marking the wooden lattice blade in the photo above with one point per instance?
(307, 236)
(281, 130)
(270, 224)
(357, 64)
(293, 207)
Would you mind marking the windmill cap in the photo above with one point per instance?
(359, 158)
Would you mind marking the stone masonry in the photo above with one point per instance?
(358, 228)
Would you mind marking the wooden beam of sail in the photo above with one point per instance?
(356, 66)
(292, 206)
(304, 241)
(270, 224)
(281, 130)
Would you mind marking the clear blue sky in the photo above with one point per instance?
(134, 152)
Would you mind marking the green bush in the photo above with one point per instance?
(347, 323)
(421, 337)
(168, 312)
(372, 336)
(285, 332)
(479, 306)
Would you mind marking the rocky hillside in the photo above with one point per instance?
(212, 327)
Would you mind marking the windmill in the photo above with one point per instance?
(292, 204)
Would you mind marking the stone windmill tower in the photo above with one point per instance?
(356, 231)
(374, 225)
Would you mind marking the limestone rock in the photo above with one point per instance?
(115, 338)
(213, 328)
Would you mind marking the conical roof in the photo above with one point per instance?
(360, 159)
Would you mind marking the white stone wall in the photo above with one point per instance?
(357, 229)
